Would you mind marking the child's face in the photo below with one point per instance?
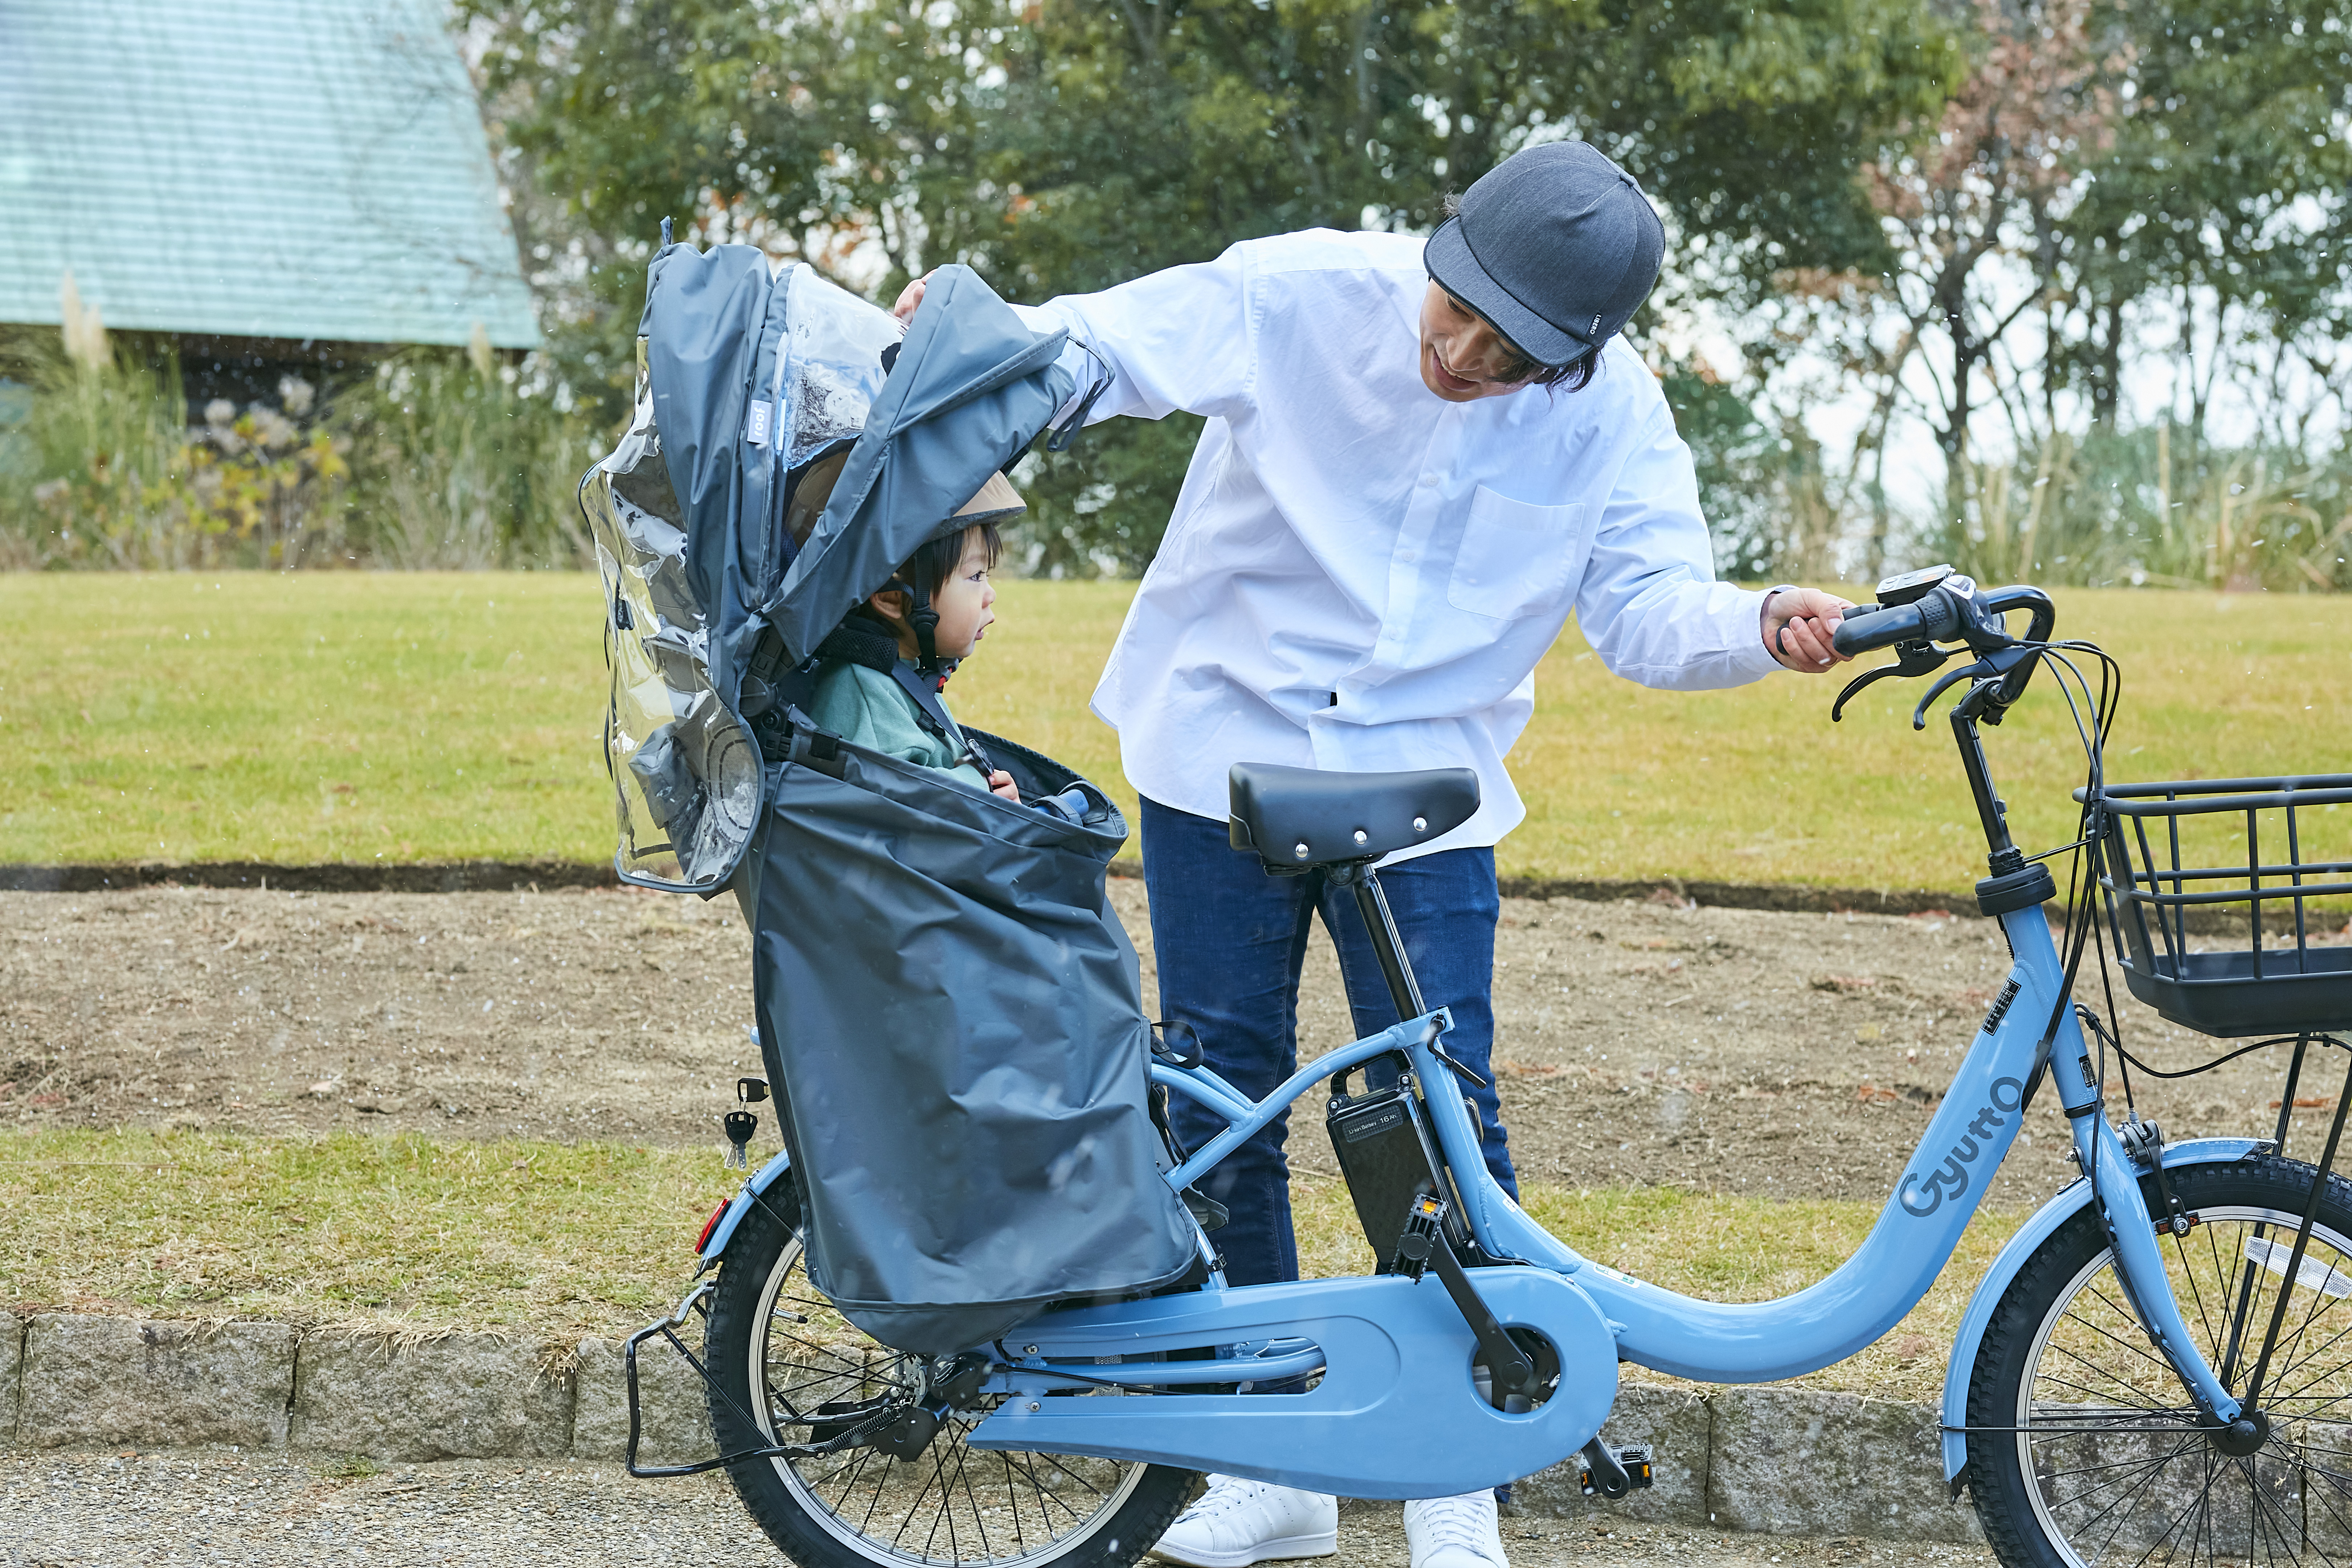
(963, 603)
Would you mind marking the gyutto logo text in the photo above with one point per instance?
(1923, 1195)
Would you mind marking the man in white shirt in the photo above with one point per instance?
(1419, 458)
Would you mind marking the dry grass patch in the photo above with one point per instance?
(398, 1232)
(415, 1237)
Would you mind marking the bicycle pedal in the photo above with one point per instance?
(1634, 1459)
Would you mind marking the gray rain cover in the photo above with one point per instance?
(950, 1011)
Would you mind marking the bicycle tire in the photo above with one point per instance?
(950, 1504)
(2084, 1448)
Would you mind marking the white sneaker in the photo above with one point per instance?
(1454, 1532)
(1239, 1523)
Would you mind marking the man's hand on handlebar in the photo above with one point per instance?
(1798, 626)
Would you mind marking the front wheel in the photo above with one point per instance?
(2084, 1450)
(779, 1354)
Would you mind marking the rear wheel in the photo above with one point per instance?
(801, 1373)
(2086, 1451)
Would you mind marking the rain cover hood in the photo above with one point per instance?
(971, 389)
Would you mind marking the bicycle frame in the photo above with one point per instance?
(1915, 1235)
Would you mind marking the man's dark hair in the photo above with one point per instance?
(1519, 369)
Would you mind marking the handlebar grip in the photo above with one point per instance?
(1883, 627)
(1941, 616)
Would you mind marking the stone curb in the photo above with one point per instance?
(1790, 1461)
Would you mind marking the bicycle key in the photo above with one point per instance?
(740, 1125)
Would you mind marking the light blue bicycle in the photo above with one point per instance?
(2135, 1379)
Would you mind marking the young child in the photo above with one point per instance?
(859, 697)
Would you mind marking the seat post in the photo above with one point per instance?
(1381, 926)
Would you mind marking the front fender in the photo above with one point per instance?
(724, 1231)
(1996, 1282)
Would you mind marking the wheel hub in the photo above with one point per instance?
(2241, 1436)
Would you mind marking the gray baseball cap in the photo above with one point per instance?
(1555, 245)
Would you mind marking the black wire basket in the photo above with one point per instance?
(2174, 858)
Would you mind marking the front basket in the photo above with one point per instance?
(2268, 965)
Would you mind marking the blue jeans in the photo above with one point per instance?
(1231, 940)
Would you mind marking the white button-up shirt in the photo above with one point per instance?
(1359, 575)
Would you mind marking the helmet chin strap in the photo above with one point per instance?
(926, 622)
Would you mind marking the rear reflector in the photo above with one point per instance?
(710, 1225)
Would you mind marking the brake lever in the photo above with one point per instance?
(1985, 700)
(1993, 699)
(1911, 659)
(1974, 667)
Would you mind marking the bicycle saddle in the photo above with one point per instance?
(1298, 818)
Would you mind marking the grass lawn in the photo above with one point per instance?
(347, 717)
(563, 1239)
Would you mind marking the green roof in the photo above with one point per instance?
(304, 169)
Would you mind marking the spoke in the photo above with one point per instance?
(978, 1523)
(2147, 1356)
(2051, 1377)
(2318, 1351)
(2265, 1509)
(2319, 1299)
(2058, 1412)
(810, 1382)
(2188, 1272)
(2330, 1342)
(2195, 1516)
(2153, 1469)
(1013, 1506)
(1045, 1496)
(888, 1464)
(2312, 1414)
(2085, 1469)
(947, 1506)
(2308, 1471)
(2136, 1466)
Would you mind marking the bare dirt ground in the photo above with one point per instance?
(104, 1510)
(1790, 1054)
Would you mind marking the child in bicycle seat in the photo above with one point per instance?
(860, 695)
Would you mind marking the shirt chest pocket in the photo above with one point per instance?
(1514, 556)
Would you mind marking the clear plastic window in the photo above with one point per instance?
(686, 778)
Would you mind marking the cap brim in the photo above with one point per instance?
(994, 501)
(1449, 261)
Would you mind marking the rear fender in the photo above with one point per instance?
(761, 1181)
(1996, 1282)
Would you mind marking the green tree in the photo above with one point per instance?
(2224, 206)
(1068, 147)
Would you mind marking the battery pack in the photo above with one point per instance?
(1381, 1140)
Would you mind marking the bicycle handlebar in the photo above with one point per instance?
(1942, 615)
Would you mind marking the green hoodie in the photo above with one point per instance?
(870, 708)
